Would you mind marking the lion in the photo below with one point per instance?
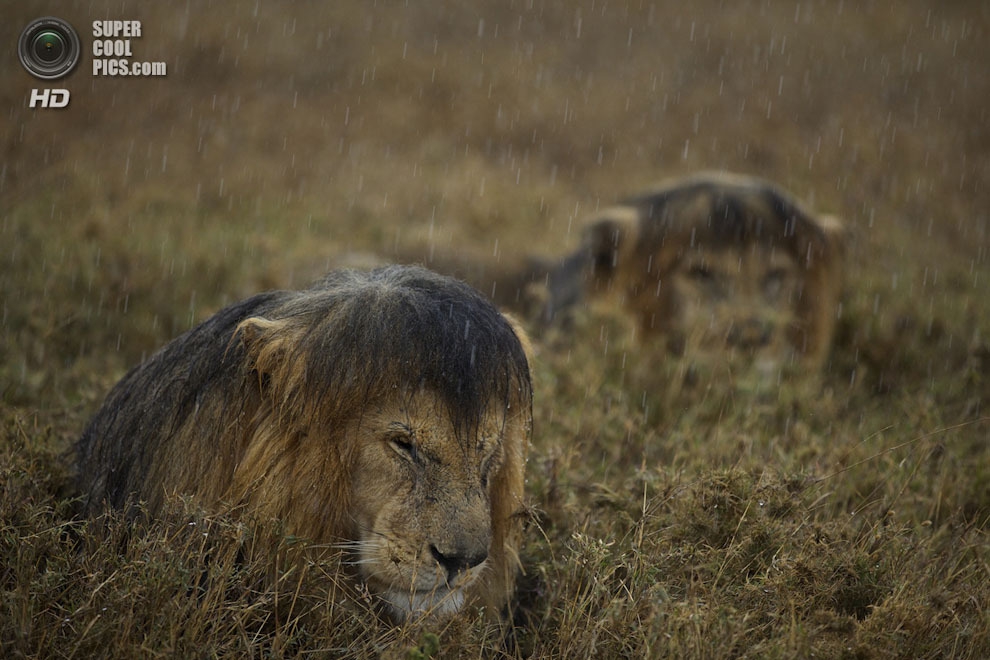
(385, 412)
(721, 268)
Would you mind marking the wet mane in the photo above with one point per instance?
(365, 335)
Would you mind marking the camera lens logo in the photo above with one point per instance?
(48, 48)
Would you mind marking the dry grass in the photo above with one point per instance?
(846, 520)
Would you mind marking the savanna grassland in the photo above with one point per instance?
(849, 518)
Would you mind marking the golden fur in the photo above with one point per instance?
(384, 412)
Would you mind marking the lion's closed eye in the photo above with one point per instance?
(491, 463)
(402, 441)
(701, 273)
(708, 281)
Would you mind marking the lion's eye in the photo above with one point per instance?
(488, 466)
(486, 469)
(710, 283)
(403, 445)
(701, 273)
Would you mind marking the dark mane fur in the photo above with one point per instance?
(408, 326)
(737, 211)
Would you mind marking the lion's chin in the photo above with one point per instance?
(439, 603)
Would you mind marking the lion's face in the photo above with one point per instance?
(728, 304)
(422, 503)
(725, 270)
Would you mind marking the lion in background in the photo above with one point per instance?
(385, 412)
(721, 269)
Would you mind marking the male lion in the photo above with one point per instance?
(386, 412)
(725, 268)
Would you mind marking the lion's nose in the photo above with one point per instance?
(458, 561)
(750, 333)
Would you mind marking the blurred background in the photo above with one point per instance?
(285, 135)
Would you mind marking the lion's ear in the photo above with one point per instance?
(522, 336)
(267, 343)
(835, 233)
(822, 248)
(610, 239)
(606, 243)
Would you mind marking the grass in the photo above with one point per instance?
(846, 519)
